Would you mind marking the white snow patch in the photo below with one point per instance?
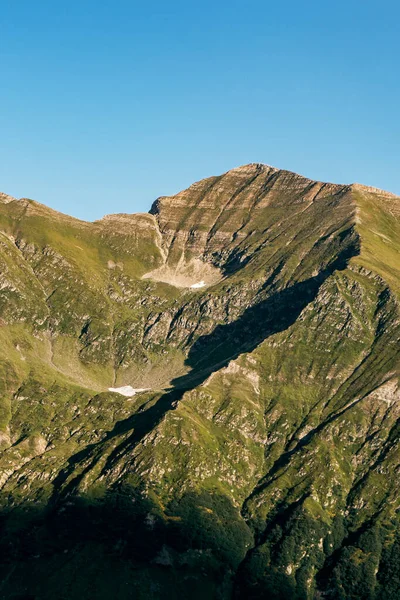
(127, 390)
(200, 284)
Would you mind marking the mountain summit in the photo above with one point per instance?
(203, 400)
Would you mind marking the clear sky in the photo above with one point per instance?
(105, 105)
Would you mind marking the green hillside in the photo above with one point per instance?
(256, 314)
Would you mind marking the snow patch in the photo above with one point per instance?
(200, 284)
(127, 390)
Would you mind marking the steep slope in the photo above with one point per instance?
(264, 460)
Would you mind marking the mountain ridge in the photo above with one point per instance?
(6, 198)
(258, 454)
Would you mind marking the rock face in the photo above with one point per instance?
(257, 313)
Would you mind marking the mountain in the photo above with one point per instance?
(250, 328)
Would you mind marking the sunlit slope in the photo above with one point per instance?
(111, 322)
(264, 460)
(86, 280)
(378, 224)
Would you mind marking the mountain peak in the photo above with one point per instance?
(207, 394)
(253, 167)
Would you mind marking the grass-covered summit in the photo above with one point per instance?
(259, 311)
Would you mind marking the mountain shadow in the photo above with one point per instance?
(122, 546)
(273, 314)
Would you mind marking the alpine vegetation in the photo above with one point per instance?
(203, 401)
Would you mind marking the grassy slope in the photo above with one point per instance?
(270, 443)
(379, 227)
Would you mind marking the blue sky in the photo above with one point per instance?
(106, 105)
